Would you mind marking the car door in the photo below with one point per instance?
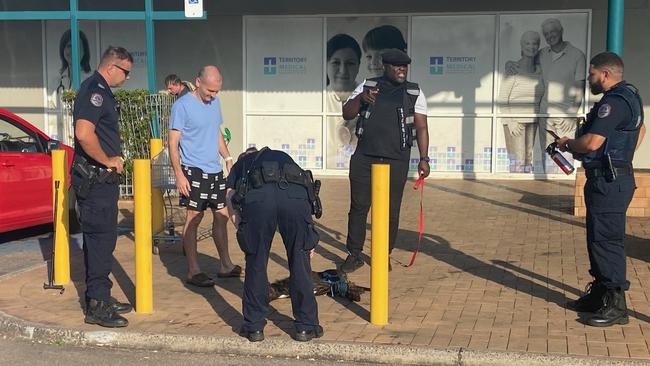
(25, 177)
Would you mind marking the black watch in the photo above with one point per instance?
(425, 158)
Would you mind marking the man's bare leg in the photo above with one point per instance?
(220, 238)
(192, 221)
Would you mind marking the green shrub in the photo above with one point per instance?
(135, 123)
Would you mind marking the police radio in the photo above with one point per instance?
(366, 109)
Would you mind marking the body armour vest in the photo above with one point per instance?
(389, 130)
(621, 144)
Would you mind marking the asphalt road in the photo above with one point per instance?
(18, 352)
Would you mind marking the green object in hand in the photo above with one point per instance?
(226, 135)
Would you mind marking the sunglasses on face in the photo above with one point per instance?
(125, 71)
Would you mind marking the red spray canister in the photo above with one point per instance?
(559, 159)
(557, 156)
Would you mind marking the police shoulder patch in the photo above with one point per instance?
(604, 110)
(96, 99)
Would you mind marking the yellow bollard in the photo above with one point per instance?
(157, 208)
(143, 234)
(380, 180)
(61, 240)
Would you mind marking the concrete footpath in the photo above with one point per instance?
(498, 261)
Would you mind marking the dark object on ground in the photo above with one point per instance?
(330, 282)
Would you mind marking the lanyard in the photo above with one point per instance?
(419, 184)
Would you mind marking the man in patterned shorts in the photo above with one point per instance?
(195, 143)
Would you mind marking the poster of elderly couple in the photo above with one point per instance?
(494, 84)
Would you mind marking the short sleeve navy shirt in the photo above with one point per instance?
(606, 116)
(95, 103)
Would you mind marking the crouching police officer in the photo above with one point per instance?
(606, 143)
(267, 190)
(95, 177)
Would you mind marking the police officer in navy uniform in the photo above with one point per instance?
(606, 143)
(392, 116)
(97, 163)
(268, 191)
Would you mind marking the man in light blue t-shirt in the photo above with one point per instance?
(195, 142)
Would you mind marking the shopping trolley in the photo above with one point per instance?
(163, 178)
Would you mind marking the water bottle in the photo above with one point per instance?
(559, 159)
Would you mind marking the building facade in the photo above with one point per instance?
(283, 85)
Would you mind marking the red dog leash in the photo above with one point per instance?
(419, 184)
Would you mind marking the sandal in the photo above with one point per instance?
(235, 272)
(200, 280)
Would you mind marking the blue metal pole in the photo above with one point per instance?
(151, 58)
(74, 36)
(151, 46)
(615, 16)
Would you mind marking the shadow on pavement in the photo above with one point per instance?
(440, 249)
(280, 320)
(77, 267)
(552, 282)
(25, 233)
(545, 215)
(556, 202)
(331, 238)
(174, 261)
(635, 247)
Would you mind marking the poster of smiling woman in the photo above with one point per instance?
(58, 68)
(353, 53)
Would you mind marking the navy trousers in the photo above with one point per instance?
(285, 208)
(98, 217)
(607, 203)
(360, 197)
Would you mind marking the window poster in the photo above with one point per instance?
(353, 53)
(542, 70)
(284, 63)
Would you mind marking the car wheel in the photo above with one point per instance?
(74, 224)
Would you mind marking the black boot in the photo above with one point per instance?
(119, 307)
(253, 336)
(102, 313)
(351, 263)
(613, 311)
(591, 301)
(308, 335)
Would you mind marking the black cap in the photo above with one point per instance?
(395, 56)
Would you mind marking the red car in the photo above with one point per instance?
(26, 174)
